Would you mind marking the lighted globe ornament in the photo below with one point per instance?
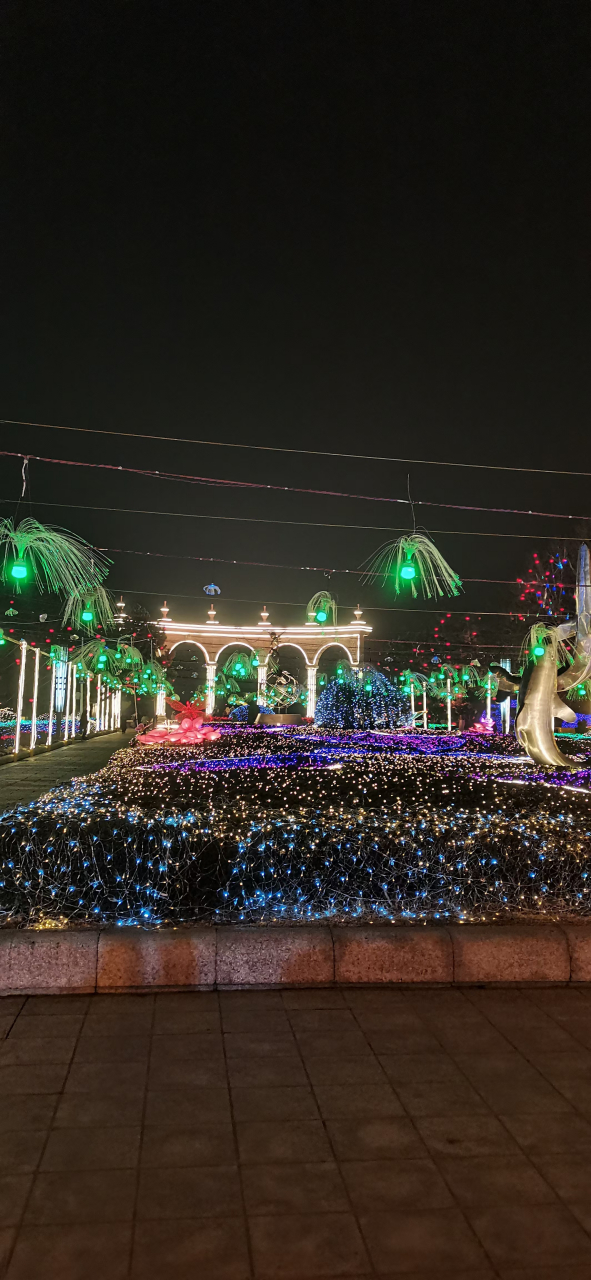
(320, 608)
(19, 570)
(413, 559)
(539, 651)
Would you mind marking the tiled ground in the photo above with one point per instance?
(24, 780)
(301, 1134)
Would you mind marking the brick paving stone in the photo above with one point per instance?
(305, 1134)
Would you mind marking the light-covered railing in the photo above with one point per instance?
(55, 694)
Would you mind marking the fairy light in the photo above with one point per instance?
(305, 825)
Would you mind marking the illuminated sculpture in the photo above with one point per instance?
(538, 703)
(188, 730)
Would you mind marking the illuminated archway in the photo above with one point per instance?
(334, 644)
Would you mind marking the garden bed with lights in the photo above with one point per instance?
(300, 826)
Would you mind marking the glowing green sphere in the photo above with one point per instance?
(321, 616)
(87, 615)
(408, 571)
(19, 569)
(539, 651)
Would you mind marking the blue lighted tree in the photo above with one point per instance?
(362, 699)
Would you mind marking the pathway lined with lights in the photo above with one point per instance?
(303, 1134)
(25, 780)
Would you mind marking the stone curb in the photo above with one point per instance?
(203, 958)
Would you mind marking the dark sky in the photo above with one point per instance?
(360, 227)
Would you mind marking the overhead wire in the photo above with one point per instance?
(304, 568)
(317, 453)
(309, 524)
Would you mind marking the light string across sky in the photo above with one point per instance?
(217, 482)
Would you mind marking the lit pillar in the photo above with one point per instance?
(88, 707)
(74, 695)
(311, 705)
(33, 738)
(262, 684)
(448, 704)
(425, 722)
(161, 701)
(99, 694)
(67, 706)
(506, 704)
(21, 691)
(488, 697)
(51, 705)
(412, 702)
(209, 687)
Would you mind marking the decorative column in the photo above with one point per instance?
(506, 704)
(209, 687)
(161, 702)
(67, 706)
(262, 672)
(425, 721)
(448, 705)
(88, 706)
(74, 696)
(51, 704)
(412, 702)
(99, 694)
(21, 691)
(488, 697)
(311, 704)
(33, 738)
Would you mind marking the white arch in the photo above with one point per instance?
(338, 644)
(289, 644)
(191, 641)
(238, 644)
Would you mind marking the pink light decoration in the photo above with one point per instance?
(188, 730)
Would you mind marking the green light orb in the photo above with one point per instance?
(321, 616)
(19, 570)
(539, 651)
(408, 571)
(86, 615)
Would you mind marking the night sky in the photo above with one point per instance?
(353, 227)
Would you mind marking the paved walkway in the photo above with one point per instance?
(24, 780)
(440, 1135)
